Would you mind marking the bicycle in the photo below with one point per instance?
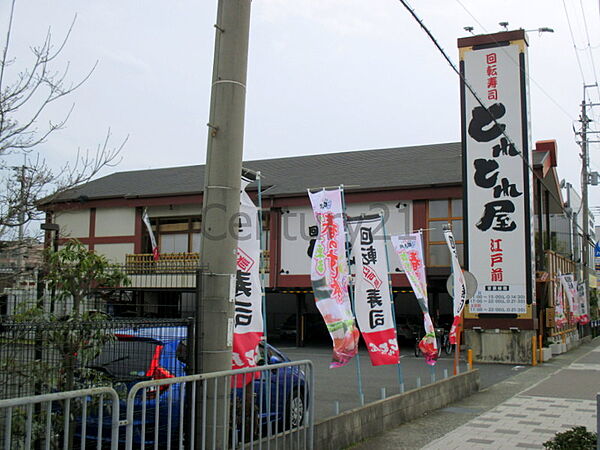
(443, 342)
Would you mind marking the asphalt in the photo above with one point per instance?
(521, 411)
(338, 389)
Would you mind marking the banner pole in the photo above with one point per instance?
(351, 293)
(262, 263)
(387, 260)
(457, 349)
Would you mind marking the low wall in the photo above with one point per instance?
(375, 418)
(500, 346)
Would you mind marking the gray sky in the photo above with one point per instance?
(324, 75)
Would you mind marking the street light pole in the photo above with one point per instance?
(220, 209)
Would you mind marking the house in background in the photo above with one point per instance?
(416, 188)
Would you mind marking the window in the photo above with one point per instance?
(182, 234)
(440, 213)
(174, 234)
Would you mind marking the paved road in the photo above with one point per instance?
(522, 411)
(341, 384)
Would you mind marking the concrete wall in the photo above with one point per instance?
(503, 346)
(375, 418)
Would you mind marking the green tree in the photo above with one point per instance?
(76, 273)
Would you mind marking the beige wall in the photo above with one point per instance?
(73, 224)
(115, 222)
(114, 252)
(175, 210)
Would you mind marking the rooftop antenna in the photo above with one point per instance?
(469, 29)
(504, 25)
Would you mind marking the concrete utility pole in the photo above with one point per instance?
(220, 209)
(585, 181)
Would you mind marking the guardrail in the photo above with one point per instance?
(60, 420)
(248, 408)
(274, 407)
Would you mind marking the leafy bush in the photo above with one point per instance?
(576, 438)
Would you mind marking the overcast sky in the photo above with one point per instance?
(324, 75)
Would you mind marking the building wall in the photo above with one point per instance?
(295, 231)
(115, 222)
(73, 224)
(175, 210)
(114, 252)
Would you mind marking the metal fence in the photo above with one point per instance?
(273, 407)
(165, 289)
(62, 420)
(40, 357)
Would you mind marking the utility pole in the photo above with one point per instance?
(220, 209)
(585, 181)
(20, 246)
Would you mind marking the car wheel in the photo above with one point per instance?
(296, 410)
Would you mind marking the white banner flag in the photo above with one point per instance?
(329, 275)
(459, 290)
(584, 314)
(248, 318)
(568, 283)
(146, 220)
(372, 295)
(409, 249)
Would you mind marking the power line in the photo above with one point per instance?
(529, 77)
(573, 41)
(479, 101)
(589, 47)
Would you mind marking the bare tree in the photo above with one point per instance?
(23, 100)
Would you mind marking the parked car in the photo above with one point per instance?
(143, 354)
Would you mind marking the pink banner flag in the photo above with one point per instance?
(372, 296)
(570, 288)
(409, 249)
(248, 318)
(146, 220)
(559, 310)
(329, 275)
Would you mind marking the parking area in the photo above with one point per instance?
(341, 384)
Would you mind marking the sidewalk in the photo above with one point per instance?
(523, 411)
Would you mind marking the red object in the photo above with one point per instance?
(245, 354)
(155, 254)
(156, 372)
(428, 349)
(383, 347)
(454, 329)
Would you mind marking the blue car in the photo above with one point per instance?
(141, 354)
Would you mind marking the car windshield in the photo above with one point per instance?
(127, 358)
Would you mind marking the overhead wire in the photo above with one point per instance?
(480, 102)
(589, 47)
(573, 41)
(529, 77)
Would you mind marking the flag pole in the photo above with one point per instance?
(262, 262)
(387, 260)
(351, 293)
